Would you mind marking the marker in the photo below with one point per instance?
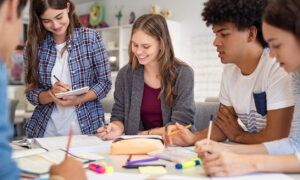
(135, 166)
(209, 129)
(177, 131)
(188, 164)
(97, 168)
(142, 161)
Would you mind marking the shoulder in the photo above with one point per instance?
(86, 34)
(184, 71)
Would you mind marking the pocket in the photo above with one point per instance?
(260, 101)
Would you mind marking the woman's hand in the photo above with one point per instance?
(110, 131)
(202, 148)
(59, 87)
(66, 100)
(183, 138)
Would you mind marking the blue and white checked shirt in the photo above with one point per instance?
(89, 66)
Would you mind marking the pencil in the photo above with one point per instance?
(209, 129)
(69, 140)
(177, 131)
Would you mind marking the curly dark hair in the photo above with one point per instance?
(243, 13)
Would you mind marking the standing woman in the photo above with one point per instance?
(58, 45)
(155, 89)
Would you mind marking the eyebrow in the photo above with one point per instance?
(54, 17)
(271, 39)
(147, 44)
(222, 29)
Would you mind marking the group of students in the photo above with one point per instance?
(154, 92)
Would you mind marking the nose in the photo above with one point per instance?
(139, 50)
(272, 53)
(217, 41)
(55, 24)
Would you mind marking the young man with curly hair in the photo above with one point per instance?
(256, 102)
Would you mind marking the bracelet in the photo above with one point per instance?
(56, 177)
(149, 132)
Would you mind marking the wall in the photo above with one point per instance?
(197, 48)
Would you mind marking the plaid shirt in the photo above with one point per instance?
(89, 66)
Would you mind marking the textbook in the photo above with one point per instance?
(75, 92)
(38, 161)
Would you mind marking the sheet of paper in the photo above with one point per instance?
(75, 92)
(152, 170)
(87, 143)
(175, 154)
(257, 176)
(27, 152)
(179, 177)
(116, 175)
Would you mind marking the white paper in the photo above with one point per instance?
(75, 92)
(115, 176)
(257, 176)
(179, 177)
(77, 142)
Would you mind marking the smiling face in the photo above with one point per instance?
(284, 46)
(56, 21)
(144, 47)
(230, 42)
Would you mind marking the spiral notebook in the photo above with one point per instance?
(75, 92)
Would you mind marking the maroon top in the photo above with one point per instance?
(151, 115)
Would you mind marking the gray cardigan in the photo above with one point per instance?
(129, 88)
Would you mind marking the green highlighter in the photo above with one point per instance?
(188, 164)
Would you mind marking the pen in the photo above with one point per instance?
(209, 129)
(135, 166)
(129, 157)
(142, 160)
(69, 140)
(177, 131)
(59, 80)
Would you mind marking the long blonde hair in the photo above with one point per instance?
(37, 33)
(156, 26)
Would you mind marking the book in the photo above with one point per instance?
(75, 92)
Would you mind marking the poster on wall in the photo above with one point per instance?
(16, 68)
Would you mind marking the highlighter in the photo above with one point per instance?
(188, 164)
(97, 168)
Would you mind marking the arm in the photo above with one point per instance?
(230, 164)
(278, 121)
(101, 68)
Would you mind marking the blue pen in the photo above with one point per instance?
(142, 160)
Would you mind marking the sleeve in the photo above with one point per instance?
(291, 144)
(224, 96)
(183, 110)
(33, 94)
(279, 90)
(102, 68)
(118, 109)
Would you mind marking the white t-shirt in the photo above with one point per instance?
(62, 117)
(267, 88)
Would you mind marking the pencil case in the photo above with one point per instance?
(135, 146)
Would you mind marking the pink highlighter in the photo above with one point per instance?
(97, 168)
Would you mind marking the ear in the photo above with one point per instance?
(252, 33)
(12, 10)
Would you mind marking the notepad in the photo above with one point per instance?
(39, 161)
(75, 92)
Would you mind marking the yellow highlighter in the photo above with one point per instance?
(177, 131)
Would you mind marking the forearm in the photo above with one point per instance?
(89, 96)
(157, 131)
(276, 163)
(256, 138)
(247, 149)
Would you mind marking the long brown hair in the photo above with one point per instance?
(37, 33)
(284, 14)
(156, 26)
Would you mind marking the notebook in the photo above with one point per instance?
(75, 92)
(38, 161)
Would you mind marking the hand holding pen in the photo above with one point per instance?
(59, 86)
